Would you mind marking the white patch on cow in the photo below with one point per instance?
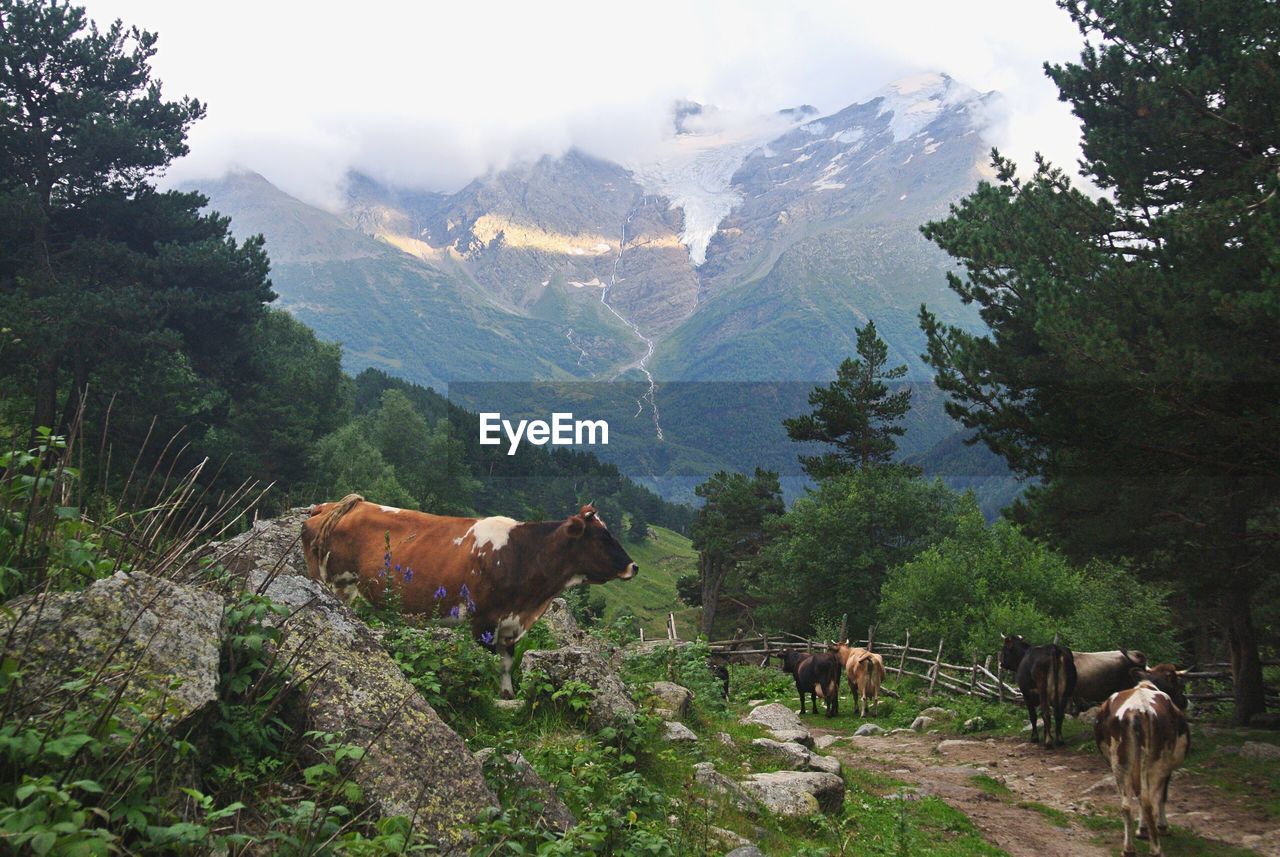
(392, 509)
(1141, 700)
(510, 629)
(574, 581)
(489, 533)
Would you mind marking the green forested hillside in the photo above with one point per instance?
(664, 557)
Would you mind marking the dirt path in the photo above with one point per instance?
(1074, 782)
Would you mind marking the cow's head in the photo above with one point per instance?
(1166, 678)
(792, 660)
(592, 550)
(1013, 650)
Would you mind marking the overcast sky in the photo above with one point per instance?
(430, 94)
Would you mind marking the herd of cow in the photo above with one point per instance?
(500, 575)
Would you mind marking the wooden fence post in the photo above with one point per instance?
(973, 679)
(999, 679)
(902, 661)
(871, 638)
(671, 627)
(937, 667)
(642, 634)
(844, 629)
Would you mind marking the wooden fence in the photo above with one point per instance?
(1211, 683)
(902, 659)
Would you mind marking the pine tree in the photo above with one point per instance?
(855, 413)
(1132, 363)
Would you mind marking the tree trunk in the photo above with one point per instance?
(46, 404)
(711, 580)
(1246, 665)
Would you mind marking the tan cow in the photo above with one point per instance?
(865, 672)
(1144, 735)
(498, 572)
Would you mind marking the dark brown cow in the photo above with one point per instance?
(816, 675)
(499, 572)
(1144, 735)
(1046, 678)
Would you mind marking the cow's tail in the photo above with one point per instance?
(317, 543)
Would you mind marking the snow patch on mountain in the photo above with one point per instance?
(916, 101)
(694, 169)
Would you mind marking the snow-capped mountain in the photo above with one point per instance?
(742, 248)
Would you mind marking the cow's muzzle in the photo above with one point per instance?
(629, 572)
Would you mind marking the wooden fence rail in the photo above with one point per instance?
(1205, 681)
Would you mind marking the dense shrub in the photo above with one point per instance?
(988, 580)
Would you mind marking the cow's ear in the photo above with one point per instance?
(575, 527)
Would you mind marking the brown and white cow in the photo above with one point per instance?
(1143, 733)
(499, 572)
(864, 670)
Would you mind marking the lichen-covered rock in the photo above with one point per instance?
(270, 544)
(822, 742)
(670, 701)
(706, 775)
(163, 638)
(827, 764)
(921, 723)
(1260, 752)
(564, 629)
(610, 703)
(792, 793)
(784, 723)
(745, 851)
(790, 754)
(415, 765)
(936, 713)
(516, 774)
(676, 732)
(870, 729)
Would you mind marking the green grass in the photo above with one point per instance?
(991, 785)
(1056, 817)
(1256, 781)
(1179, 843)
(663, 557)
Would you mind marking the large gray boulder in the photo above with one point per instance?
(706, 775)
(271, 544)
(792, 793)
(780, 720)
(513, 774)
(794, 756)
(415, 765)
(610, 703)
(160, 639)
(670, 700)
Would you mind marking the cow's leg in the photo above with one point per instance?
(508, 653)
(1031, 715)
(1126, 814)
(802, 702)
(1058, 712)
(1046, 714)
(1164, 801)
(1149, 815)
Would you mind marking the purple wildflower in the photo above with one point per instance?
(386, 559)
(397, 567)
(487, 638)
(454, 611)
(408, 574)
(441, 594)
